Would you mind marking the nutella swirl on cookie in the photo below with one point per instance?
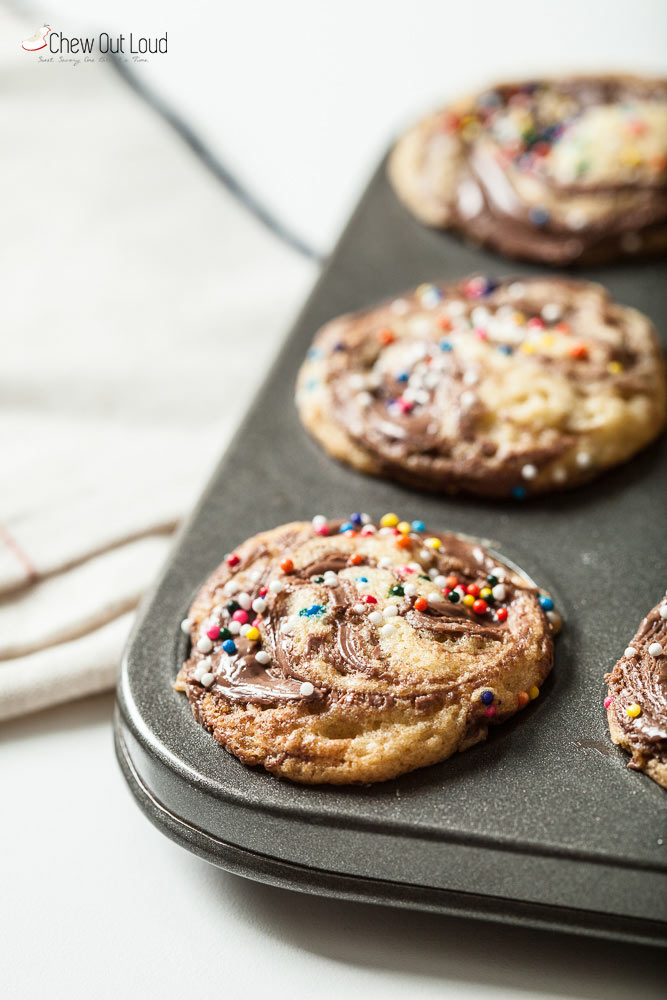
(553, 170)
(636, 702)
(497, 387)
(348, 651)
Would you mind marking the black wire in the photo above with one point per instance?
(212, 163)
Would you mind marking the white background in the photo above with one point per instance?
(299, 99)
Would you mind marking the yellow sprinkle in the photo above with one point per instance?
(614, 367)
(634, 710)
(485, 592)
(471, 131)
(546, 340)
(389, 521)
(403, 527)
(630, 156)
(468, 600)
(433, 543)
(533, 692)
(519, 317)
(252, 633)
(528, 348)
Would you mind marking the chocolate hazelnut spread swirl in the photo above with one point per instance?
(353, 650)
(556, 170)
(637, 693)
(503, 387)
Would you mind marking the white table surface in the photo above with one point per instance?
(94, 900)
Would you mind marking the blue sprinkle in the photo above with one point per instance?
(314, 352)
(418, 526)
(519, 492)
(356, 520)
(362, 579)
(312, 383)
(487, 697)
(346, 526)
(229, 646)
(445, 345)
(339, 347)
(539, 216)
(546, 603)
(403, 377)
(504, 348)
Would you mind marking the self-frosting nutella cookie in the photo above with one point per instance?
(346, 652)
(636, 702)
(501, 388)
(555, 170)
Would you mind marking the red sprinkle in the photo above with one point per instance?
(263, 591)
(421, 604)
(213, 633)
(233, 559)
(287, 565)
(472, 589)
(501, 614)
(480, 607)
(322, 530)
(369, 599)
(490, 712)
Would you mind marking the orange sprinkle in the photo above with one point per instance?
(356, 559)
(386, 336)
(404, 542)
(563, 328)
(579, 351)
(287, 565)
(522, 699)
(444, 322)
(421, 604)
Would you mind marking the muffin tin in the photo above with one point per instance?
(544, 824)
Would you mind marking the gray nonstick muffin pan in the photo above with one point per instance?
(543, 824)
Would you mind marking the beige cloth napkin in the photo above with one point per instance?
(141, 307)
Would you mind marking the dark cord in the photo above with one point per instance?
(233, 185)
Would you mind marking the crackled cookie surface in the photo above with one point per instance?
(496, 387)
(346, 652)
(554, 170)
(636, 702)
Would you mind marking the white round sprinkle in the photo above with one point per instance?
(364, 398)
(559, 474)
(276, 586)
(630, 651)
(361, 585)
(204, 645)
(365, 518)
(244, 600)
(376, 618)
(436, 598)
(359, 609)
(245, 629)
(583, 459)
(390, 611)
(655, 649)
(553, 617)
(386, 563)
(231, 587)
(259, 605)
(200, 670)
(551, 312)
(663, 610)
(387, 630)
(499, 571)
(425, 554)
(319, 521)
(470, 377)
(262, 657)
(516, 290)
(205, 663)
(468, 398)
(307, 689)
(410, 589)
(417, 567)
(433, 572)
(207, 680)
(529, 471)
(186, 625)
(499, 592)
(330, 581)
(440, 580)
(234, 627)
(400, 306)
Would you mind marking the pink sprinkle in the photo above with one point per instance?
(257, 621)
(368, 530)
(490, 712)
(607, 701)
(213, 633)
(405, 569)
(480, 333)
(233, 559)
(240, 616)
(535, 323)
(405, 404)
(322, 530)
